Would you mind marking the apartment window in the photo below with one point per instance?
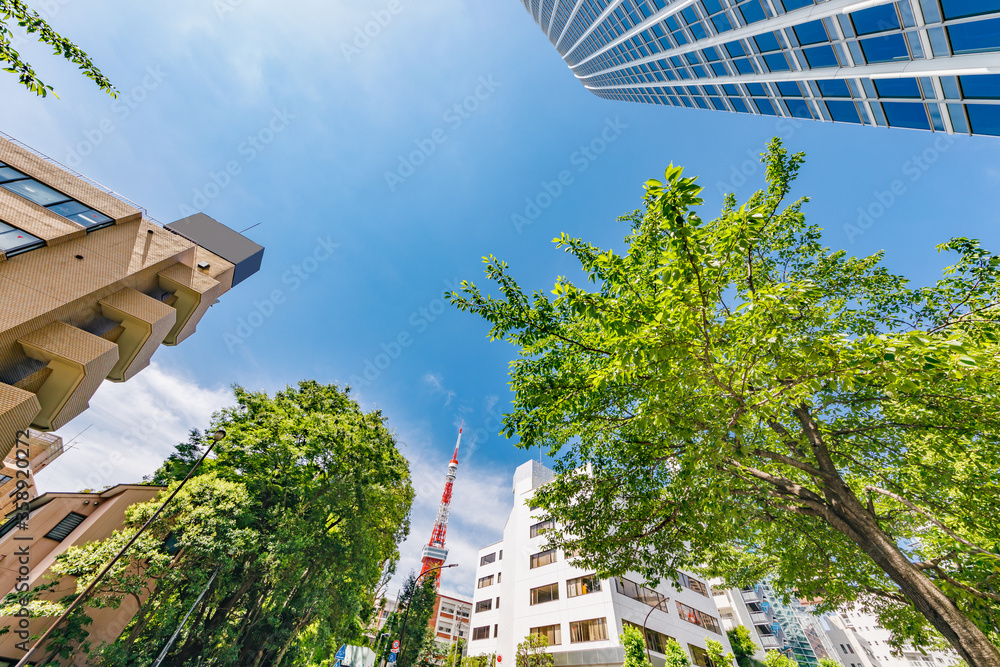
(501, 554)
(543, 558)
(498, 603)
(594, 630)
(656, 641)
(693, 584)
(487, 559)
(448, 609)
(14, 241)
(700, 618)
(699, 656)
(640, 593)
(582, 586)
(463, 612)
(545, 593)
(496, 630)
(485, 581)
(446, 629)
(21, 184)
(553, 633)
(484, 605)
(9, 525)
(481, 633)
(541, 527)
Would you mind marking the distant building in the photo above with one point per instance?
(38, 451)
(745, 607)
(57, 521)
(90, 287)
(523, 588)
(866, 644)
(919, 64)
(451, 618)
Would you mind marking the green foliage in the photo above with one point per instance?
(485, 660)
(717, 653)
(531, 652)
(829, 662)
(674, 655)
(416, 606)
(743, 645)
(775, 659)
(732, 392)
(300, 512)
(635, 648)
(33, 24)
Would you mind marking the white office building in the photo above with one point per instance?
(867, 645)
(523, 588)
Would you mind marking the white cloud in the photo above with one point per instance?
(437, 387)
(133, 427)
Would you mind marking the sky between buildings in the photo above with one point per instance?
(380, 169)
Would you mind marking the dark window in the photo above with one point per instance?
(776, 62)
(488, 558)
(4, 478)
(699, 656)
(635, 591)
(767, 42)
(546, 593)
(798, 109)
(906, 114)
(9, 525)
(552, 633)
(975, 37)
(484, 605)
(821, 56)
(721, 23)
(876, 19)
(735, 49)
(843, 111)
(833, 88)
(981, 87)
(757, 89)
(743, 66)
(41, 194)
(765, 107)
(789, 89)
(884, 49)
(739, 105)
(791, 5)
(481, 633)
(65, 527)
(699, 618)
(752, 11)
(954, 9)
(694, 584)
(812, 32)
(656, 641)
(718, 103)
(897, 88)
(985, 118)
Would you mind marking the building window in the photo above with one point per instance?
(693, 584)
(700, 618)
(485, 581)
(481, 633)
(498, 603)
(484, 605)
(582, 586)
(541, 527)
(487, 559)
(553, 633)
(447, 609)
(14, 241)
(499, 574)
(699, 656)
(501, 554)
(34, 191)
(545, 594)
(594, 630)
(656, 641)
(4, 479)
(496, 630)
(641, 593)
(543, 558)
(446, 629)
(65, 527)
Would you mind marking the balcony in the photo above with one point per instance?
(750, 596)
(759, 618)
(769, 642)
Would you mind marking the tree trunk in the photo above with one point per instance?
(847, 514)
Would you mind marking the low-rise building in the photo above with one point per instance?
(17, 477)
(524, 588)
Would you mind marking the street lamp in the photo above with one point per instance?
(416, 582)
(644, 639)
(216, 437)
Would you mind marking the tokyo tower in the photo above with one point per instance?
(435, 553)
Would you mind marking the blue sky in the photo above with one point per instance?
(281, 115)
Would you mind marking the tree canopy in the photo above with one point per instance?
(289, 531)
(732, 392)
(16, 11)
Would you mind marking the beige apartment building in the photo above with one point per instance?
(90, 287)
(55, 522)
(37, 450)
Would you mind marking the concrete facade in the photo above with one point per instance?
(522, 588)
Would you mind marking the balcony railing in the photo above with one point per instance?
(759, 618)
(750, 596)
(769, 641)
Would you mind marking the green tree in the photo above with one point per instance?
(635, 648)
(485, 660)
(298, 517)
(775, 659)
(732, 392)
(717, 653)
(743, 645)
(416, 606)
(829, 662)
(674, 655)
(15, 11)
(531, 652)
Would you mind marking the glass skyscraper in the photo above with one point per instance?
(920, 64)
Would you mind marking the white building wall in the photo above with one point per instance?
(513, 580)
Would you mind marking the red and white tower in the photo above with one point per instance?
(435, 553)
